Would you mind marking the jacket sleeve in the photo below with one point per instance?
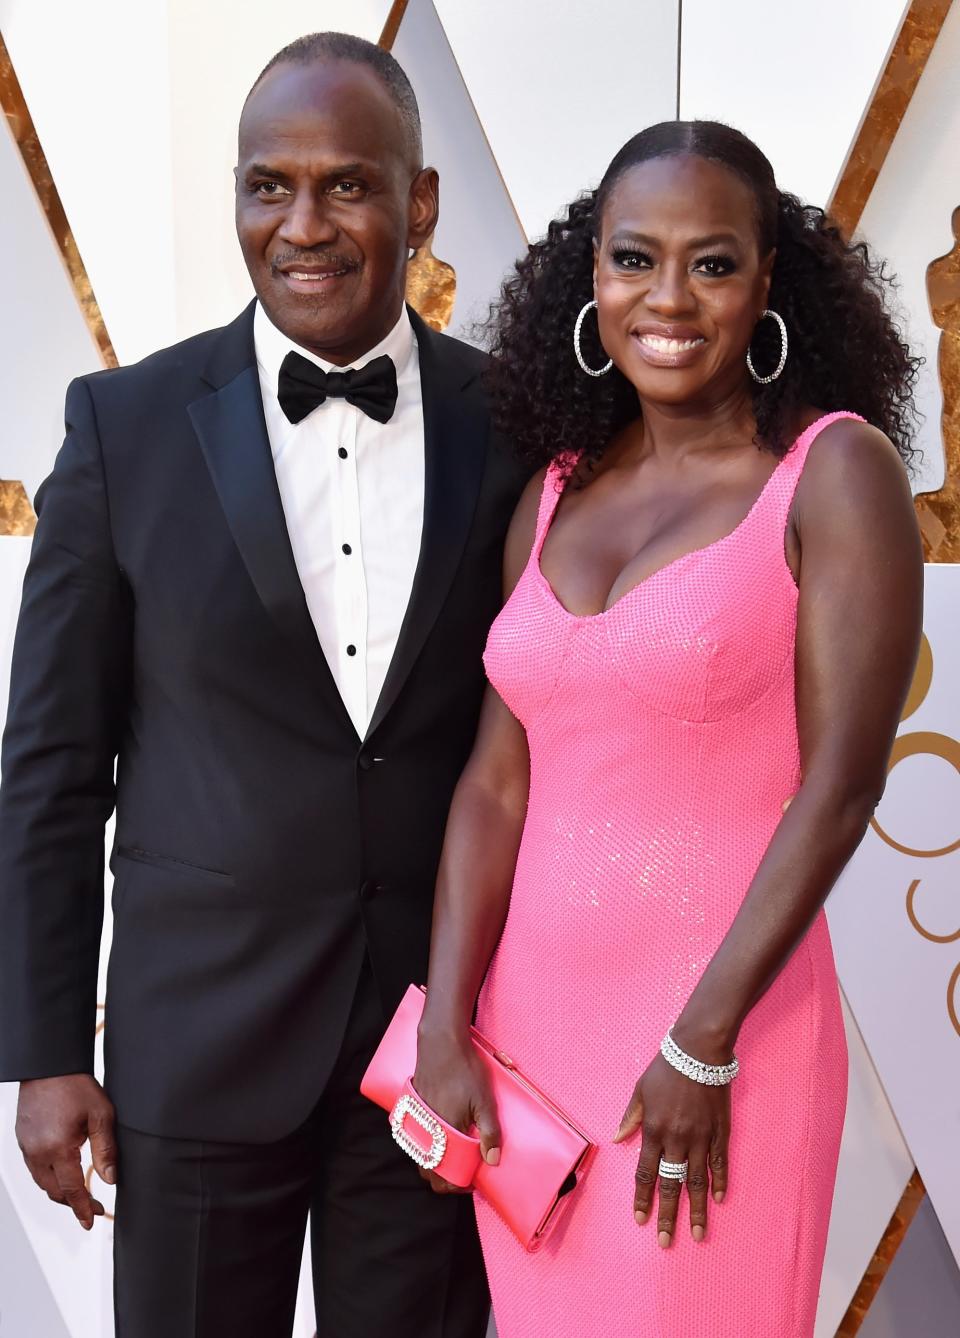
(69, 692)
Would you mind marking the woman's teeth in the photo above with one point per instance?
(659, 345)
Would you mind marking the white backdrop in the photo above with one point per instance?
(523, 105)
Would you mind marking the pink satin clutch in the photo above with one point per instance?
(543, 1156)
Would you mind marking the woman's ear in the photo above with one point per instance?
(766, 274)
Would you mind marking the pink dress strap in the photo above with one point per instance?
(554, 483)
(783, 481)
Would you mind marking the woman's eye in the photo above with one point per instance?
(629, 259)
(716, 266)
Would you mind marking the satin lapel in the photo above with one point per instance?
(233, 437)
(455, 428)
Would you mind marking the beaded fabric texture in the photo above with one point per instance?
(663, 743)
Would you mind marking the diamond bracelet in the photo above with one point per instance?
(711, 1075)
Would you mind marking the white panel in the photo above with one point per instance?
(795, 78)
(136, 106)
(99, 97)
(44, 341)
(26, 1305)
(907, 218)
(875, 1165)
(898, 980)
(559, 87)
(479, 233)
(217, 49)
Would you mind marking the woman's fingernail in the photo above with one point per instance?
(698, 1233)
(619, 1134)
(718, 1196)
(493, 1157)
(663, 1240)
(641, 1217)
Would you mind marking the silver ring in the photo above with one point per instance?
(674, 1170)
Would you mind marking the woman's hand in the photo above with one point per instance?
(682, 1120)
(451, 1080)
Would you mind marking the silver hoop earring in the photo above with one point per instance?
(590, 371)
(765, 380)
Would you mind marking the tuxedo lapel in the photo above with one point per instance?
(455, 428)
(230, 426)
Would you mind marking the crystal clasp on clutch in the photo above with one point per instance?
(430, 1158)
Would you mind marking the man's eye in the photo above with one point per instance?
(347, 188)
(270, 190)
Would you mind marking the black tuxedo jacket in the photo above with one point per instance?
(261, 845)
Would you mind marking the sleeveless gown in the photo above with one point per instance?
(663, 743)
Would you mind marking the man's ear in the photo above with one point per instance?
(424, 207)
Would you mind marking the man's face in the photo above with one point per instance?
(329, 202)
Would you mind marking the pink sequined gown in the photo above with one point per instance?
(663, 744)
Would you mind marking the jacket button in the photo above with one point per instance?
(368, 889)
(366, 761)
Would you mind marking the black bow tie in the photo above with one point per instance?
(303, 386)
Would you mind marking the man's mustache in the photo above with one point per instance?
(311, 259)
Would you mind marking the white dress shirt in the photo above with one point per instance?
(352, 493)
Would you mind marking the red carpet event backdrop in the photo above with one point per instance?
(523, 102)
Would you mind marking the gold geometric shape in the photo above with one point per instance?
(939, 511)
(915, 40)
(392, 25)
(13, 104)
(431, 287)
(17, 516)
(890, 1242)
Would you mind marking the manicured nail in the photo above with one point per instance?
(109, 1175)
(663, 1240)
(698, 1233)
(641, 1217)
(718, 1196)
(493, 1157)
(619, 1134)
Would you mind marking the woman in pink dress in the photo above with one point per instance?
(713, 595)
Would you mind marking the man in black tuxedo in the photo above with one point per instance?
(264, 569)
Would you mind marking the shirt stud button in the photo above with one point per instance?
(351, 650)
(347, 549)
(342, 452)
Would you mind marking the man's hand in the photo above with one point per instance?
(55, 1117)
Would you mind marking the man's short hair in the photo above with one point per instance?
(344, 46)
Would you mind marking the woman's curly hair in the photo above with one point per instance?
(845, 350)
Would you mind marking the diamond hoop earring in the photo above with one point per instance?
(765, 380)
(590, 371)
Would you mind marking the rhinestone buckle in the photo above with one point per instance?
(408, 1105)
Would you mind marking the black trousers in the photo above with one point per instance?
(208, 1237)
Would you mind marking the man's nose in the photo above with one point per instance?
(669, 289)
(308, 221)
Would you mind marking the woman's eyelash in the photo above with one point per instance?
(621, 253)
(721, 263)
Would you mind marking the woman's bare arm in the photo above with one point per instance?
(858, 632)
(474, 883)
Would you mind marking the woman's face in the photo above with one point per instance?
(679, 280)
